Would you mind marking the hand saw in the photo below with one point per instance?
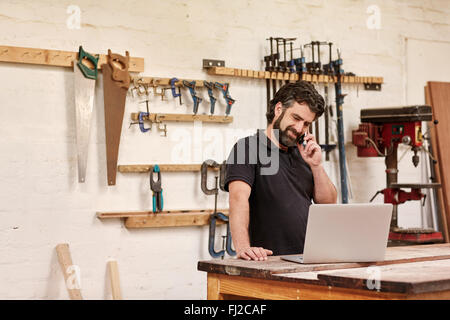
(85, 77)
(116, 81)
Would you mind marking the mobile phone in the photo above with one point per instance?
(301, 140)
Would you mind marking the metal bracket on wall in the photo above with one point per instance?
(372, 86)
(209, 63)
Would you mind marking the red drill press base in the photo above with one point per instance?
(415, 236)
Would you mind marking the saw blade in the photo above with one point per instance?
(84, 103)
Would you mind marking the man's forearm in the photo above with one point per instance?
(239, 220)
(324, 190)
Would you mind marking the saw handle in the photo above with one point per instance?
(87, 72)
(119, 65)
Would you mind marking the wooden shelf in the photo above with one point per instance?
(55, 58)
(287, 76)
(169, 218)
(164, 82)
(142, 168)
(176, 117)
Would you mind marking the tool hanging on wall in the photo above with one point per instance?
(278, 67)
(267, 60)
(300, 64)
(156, 188)
(172, 87)
(196, 99)
(210, 86)
(140, 86)
(224, 87)
(140, 121)
(273, 59)
(162, 92)
(285, 65)
(116, 81)
(328, 71)
(337, 72)
(215, 215)
(85, 78)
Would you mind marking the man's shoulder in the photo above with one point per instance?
(252, 140)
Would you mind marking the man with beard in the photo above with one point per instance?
(269, 208)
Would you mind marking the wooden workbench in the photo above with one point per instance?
(410, 272)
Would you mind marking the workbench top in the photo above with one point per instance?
(407, 269)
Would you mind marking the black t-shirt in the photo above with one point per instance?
(282, 189)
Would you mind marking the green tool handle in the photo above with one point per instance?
(87, 72)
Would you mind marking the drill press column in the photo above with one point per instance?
(391, 177)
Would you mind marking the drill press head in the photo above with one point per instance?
(385, 128)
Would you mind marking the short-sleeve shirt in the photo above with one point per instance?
(282, 189)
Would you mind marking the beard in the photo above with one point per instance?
(284, 135)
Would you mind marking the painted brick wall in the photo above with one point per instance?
(41, 202)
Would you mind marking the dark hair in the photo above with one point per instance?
(300, 92)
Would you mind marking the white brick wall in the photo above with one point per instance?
(41, 202)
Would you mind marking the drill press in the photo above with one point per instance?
(379, 135)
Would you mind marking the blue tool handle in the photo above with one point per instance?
(154, 202)
(229, 242)
(229, 104)
(172, 86)
(141, 121)
(213, 105)
(197, 101)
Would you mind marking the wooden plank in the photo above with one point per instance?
(140, 168)
(223, 71)
(181, 117)
(146, 214)
(439, 195)
(159, 220)
(213, 288)
(274, 265)
(57, 58)
(408, 278)
(226, 285)
(68, 270)
(439, 94)
(114, 278)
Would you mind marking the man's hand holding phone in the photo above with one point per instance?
(310, 150)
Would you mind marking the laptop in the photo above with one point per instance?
(355, 232)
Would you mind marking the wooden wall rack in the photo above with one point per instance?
(167, 218)
(55, 58)
(287, 76)
(163, 82)
(142, 168)
(181, 117)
